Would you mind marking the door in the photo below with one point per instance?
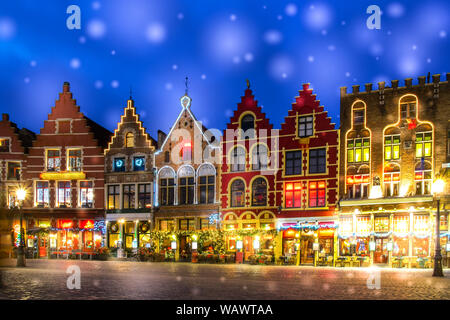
(43, 240)
(248, 247)
(306, 250)
(381, 253)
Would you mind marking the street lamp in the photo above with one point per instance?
(437, 188)
(21, 193)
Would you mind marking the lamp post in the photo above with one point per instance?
(21, 193)
(437, 189)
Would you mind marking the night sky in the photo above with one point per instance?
(153, 45)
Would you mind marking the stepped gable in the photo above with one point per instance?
(21, 139)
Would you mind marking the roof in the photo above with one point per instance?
(102, 134)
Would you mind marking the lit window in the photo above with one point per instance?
(13, 170)
(74, 160)
(144, 196)
(381, 224)
(305, 126)
(423, 144)
(64, 194)
(119, 164)
(317, 193)
(238, 159)
(391, 181)
(392, 147)
(358, 186)
(113, 197)
(317, 161)
(423, 181)
(259, 192)
(129, 194)
(42, 193)
(129, 140)
(86, 194)
(186, 187)
(166, 225)
(139, 164)
(293, 194)
(53, 160)
(358, 150)
(187, 224)
(237, 193)
(293, 163)
(4, 145)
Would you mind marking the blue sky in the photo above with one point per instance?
(153, 45)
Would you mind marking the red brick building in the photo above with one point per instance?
(248, 176)
(307, 182)
(65, 180)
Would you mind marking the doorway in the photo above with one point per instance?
(43, 242)
(381, 254)
(306, 250)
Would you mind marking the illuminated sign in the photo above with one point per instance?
(64, 175)
(173, 245)
(65, 224)
(87, 224)
(194, 245)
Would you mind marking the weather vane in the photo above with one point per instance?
(248, 84)
(186, 84)
(131, 93)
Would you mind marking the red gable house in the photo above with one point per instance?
(65, 173)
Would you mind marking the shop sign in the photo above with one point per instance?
(194, 245)
(87, 224)
(65, 224)
(64, 175)
(173, 245)
(326, 232)
(44, 224)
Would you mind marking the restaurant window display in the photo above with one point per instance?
(290, 242)
(306, 246)
(401, 239)
(129, 230)
(421, 240)
(114, 235)
(144, 234)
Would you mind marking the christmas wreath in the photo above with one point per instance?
(144, 227)
(114, 227)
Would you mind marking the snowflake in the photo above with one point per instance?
(115, 84)
(75, 63)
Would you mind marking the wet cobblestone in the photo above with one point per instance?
(47, 279)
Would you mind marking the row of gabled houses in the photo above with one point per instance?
(307, 192)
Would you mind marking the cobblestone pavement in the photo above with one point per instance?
(47, 279)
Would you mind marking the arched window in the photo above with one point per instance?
(248, 126)
(392, 144)
(260, 157)
(237, 193)
(359, 113)
(206, 183)
(408, 107)
(259, 192)
(186, 185)
(129, 140)
(391, 180)
(167, 186)
(424, 141)
(357, 182)
(238, 159)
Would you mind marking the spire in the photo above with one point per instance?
(130, 102)
(186, 100)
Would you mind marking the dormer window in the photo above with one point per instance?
(305, 126)
(129, 140)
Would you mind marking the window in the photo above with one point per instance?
(293, 194)
(12, 198)
(358, 150)
(317, 161)
(358, 116)
(259, 157)
(381, 224)
(166, 156)
(423, 144)
(293, 165)
(186, 187)
(187, 224)
(144, 196)
(13, 170)
(358, 186)
(86, 194)
(129, 140)
(408, 110)
(259, 192)
(422, 177)
(248, 126)
(42, 193)
(237, 193)
(166, 225)
(74, 162)
(64, 194)
(113, 197)
(53, 160)
(238, 159)
(4, 145)
(119, 164)
(167, 187)
(305, 126)
(186, 151)
(317, 194)
(204, 224)
(391, 181)
(392, 147)
(129, 196)
(206, 188)
(139, 163)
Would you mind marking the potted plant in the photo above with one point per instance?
(103, 253)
